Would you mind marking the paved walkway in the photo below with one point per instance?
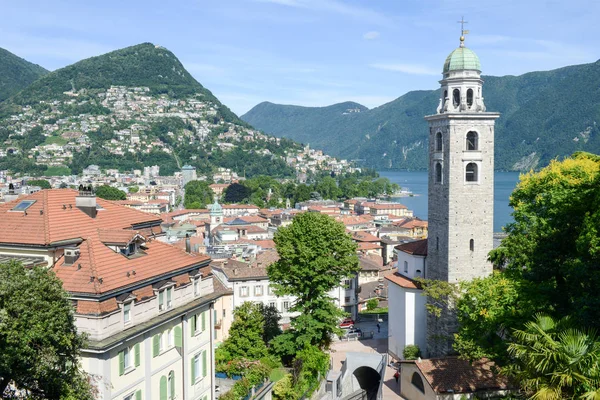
(376, 345)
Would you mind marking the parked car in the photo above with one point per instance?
(347, 323)
(354, 332)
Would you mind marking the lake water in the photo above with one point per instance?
(416, 182)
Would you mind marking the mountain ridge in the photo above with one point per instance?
(16, 73)
(544, 115)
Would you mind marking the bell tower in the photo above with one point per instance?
(461, 183)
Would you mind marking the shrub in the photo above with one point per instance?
(372, 304)
(283, 389)
(411, 352)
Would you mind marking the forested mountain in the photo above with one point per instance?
(16, 73)
(127, 109)
(545, 115)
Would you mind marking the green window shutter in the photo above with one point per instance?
(163, 388)
(193, 370)
(172, 388)
(138, 395)
(203, 321)
(136, 349)
(178, 338)
(193, 325)
(155, 345)
(121, 363)
(204, 363)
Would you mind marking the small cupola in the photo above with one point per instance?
(86, 201)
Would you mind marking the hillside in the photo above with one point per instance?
(16, 73)
(128, 109)
(545, 115)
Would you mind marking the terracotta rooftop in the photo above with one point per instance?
(240, 206)
(116, 236)
(362, 236)
(416, 248)
(53, 217)
(453, 375)
(249, 219)
(387, 206)
(410, 223)
(403, 281)
(368, 246)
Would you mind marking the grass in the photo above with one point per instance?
(56, 140)
(378, 310)
(277, 374)
(57, 171)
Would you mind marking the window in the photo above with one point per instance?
(439, 146)
(169, 297)
(437, 243)
(471, 172)
(161, 341)
(196, 368)
(470, 97)
(244, 292)
(170, 338)
(348, 283)
(224, 313)
(198, 323)
(23, 205)
(137, 395)
(472, 141)
(271, 291)
(438, 172)
(196, 286)
(472, 245)
(286, 306)
(417, 382)
(127, 312)
(127, 358)
(258, 290)
(406, 266)
(456, 97)
(273, 304)
(171, 385)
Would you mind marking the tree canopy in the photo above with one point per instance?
(316, 254)
(44, 184)
(197, 194)
(40, 344)
(110, 193)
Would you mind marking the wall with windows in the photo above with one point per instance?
(410, 265)
(260, 291)
(412, 390)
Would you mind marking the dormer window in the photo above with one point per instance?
(165, 299)
(127, 312)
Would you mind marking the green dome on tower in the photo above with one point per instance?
(462, 58)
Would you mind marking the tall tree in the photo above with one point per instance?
(245, 339)
(236, 193)
(554, 242)
(40, 344)
(197, 194)
(316, 254)
(44, 184)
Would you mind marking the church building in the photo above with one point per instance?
(461, 206)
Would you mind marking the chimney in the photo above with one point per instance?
(11, 195)
(71, 255)
(235, 271)
(188, 245)
(86, 201)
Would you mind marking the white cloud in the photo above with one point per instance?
(413, 69)
(371, 35)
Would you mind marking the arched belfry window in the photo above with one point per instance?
(456, 97)
(438, 142)
(417, 382)
(472, 245)
(470, 97)
(438, 172)
(472, 141)
(471, 172)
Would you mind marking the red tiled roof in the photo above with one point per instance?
(387, 206)
(416, 248)
(453, 375)
(47, 221)
(240, 206)
(99, 269)
(116, 236)
(403, 281)
(410, 223)
(368, 246)
(362, 236)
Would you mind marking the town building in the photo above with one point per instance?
(148, 308)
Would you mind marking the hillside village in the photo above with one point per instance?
(122, 118)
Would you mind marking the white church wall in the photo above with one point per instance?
(407, 324)
(409, 264)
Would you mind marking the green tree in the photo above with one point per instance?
(271, 327)
(328, 188)
(197, 194)
(245, 339)
(133, 189)
(110, 193)
(315, 254)
(302, 193)
(44, 184)
(553, 243)
(236, 193)
(552, 360)
(39, 341)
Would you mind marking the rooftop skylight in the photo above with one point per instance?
(23, 205)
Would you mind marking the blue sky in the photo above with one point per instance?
(310, 52)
